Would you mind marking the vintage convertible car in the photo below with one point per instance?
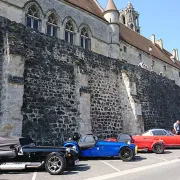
(144, 144)
(170, 139)
(18, 153)
(90, 146)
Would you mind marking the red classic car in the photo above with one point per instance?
(170, 139)
(144, 143)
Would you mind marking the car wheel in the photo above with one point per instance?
(158, 148)
(55, 164)
(126, 154)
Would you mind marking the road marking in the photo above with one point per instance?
(162, 159)
(111, 166)
(134, 170)
(34, 176)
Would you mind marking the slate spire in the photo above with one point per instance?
(110, 6)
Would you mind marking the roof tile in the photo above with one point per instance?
(89, 6)
(142, 43)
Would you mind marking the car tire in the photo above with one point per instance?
(126, 154)
(55, 164)
(158, 148)
(70, 162)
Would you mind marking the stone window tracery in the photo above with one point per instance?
(85, 40)
(69, 32)
(33, 17)
(52, 25)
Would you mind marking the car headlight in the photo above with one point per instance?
(128, 142)
(68, 150)
(74, 148)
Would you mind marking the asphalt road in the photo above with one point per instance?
(146, 166)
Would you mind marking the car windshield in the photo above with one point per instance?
(146, 133)
(124, 138)
(169, 133)
(88, 139)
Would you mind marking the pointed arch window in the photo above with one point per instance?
(69, 32)
(33, 17)
(131, 26)
(85, 40)
(52, 25)
(124, 19)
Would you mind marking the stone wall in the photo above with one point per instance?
(1, 63)
(64, 89)
(159, 97)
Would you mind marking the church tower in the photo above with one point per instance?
(111, 14)
(130, 18)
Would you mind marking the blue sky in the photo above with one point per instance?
(159, 17)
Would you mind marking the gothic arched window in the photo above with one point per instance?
(69, 32)
(85, 40)
(33, 17)
(52, 25)
(131, 26)
(124, 19)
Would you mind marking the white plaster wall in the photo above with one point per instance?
(83, 100)
(11, 12)
(131, 111)
(112, 16)
(12, 94)
(99, 28)
(132, 57)
(99, 47)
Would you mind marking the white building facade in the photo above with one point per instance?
(108, 31)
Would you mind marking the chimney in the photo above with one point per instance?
(160, 43)
(174, 52)
(177, 56)
(173, 57)
(153, 39)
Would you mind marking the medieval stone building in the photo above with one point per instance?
(70, 66)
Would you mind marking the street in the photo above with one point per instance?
(146, 166)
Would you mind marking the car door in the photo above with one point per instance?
(87, 145)
(162, 135)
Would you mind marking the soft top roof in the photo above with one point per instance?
(6, 139)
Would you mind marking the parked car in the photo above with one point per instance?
(18, 153)
(170, 139)
(90, 146)
(144, 144)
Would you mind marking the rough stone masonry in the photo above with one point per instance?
(50, 89)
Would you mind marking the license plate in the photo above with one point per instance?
(76, 162)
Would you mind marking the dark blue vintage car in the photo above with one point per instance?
(18, 153)
(90, 146)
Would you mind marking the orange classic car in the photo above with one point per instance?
(170, 139)
(143, 143)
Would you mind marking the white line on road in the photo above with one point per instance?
(130, 171)
(147, 155)
(34, 176)
(110, 166)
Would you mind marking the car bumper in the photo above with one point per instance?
(72, 156)
(136, 150)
